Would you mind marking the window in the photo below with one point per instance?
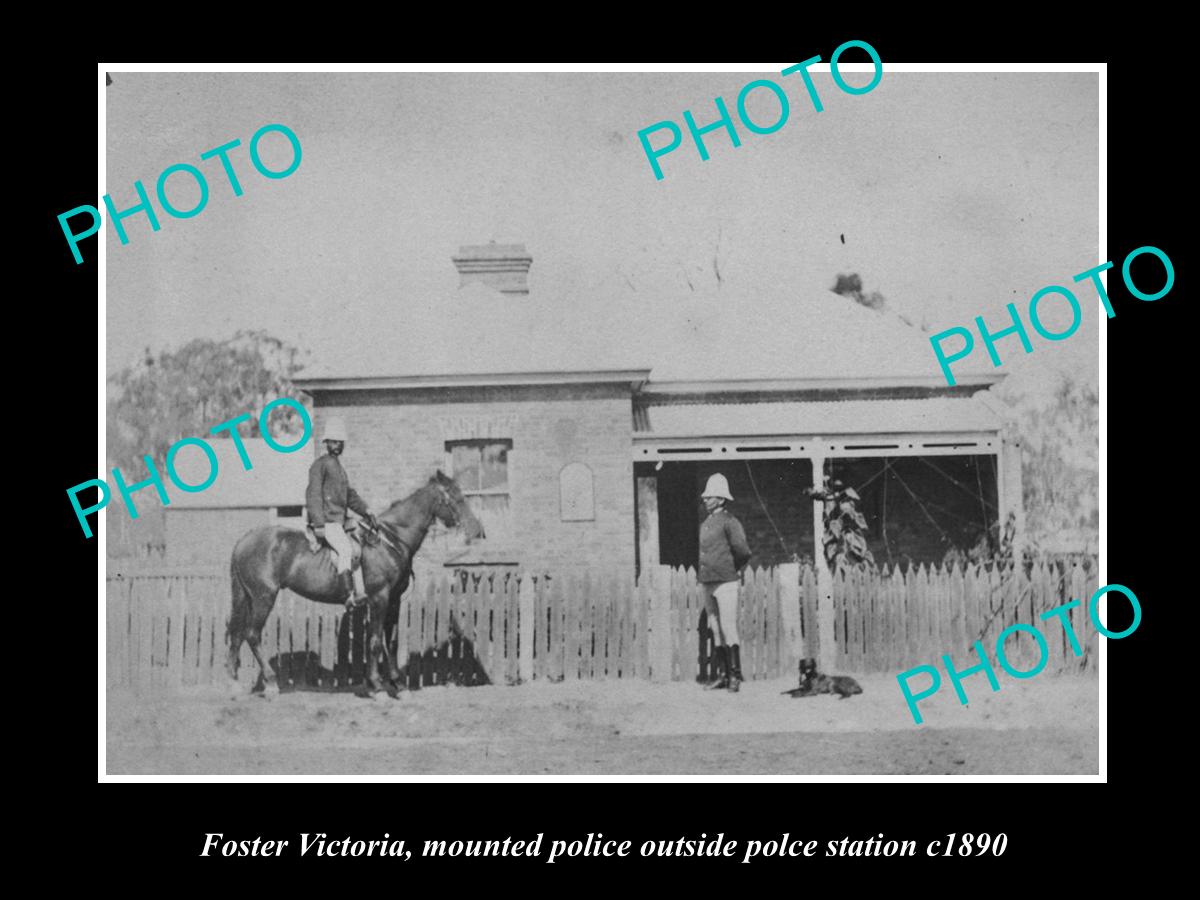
(288, 516)
(481, 469)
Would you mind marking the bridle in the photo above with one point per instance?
(449, 502)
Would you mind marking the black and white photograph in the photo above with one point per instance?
(622, 421)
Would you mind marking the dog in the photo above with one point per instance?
(813, 683)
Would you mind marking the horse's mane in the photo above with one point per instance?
(396, 504)
(404, 501)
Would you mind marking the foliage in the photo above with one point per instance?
(1060, 462)
(186, 392)
(851, 286)
(994, 545)
(1062, 455)
(845, 538)
(1059, 433)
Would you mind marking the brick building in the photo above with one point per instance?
(583, 431)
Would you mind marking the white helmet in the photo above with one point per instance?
(717, 487)
(335, 429)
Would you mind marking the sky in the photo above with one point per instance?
(951, 194)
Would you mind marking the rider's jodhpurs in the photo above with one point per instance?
(335, 537)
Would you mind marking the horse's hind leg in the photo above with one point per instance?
(239, 617)
(260, 609)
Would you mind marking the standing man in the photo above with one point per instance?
(328, 497)
(723, 555)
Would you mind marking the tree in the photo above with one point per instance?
(1060, 464)
(205, 382)
(1061, 474)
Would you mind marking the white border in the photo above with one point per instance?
(770, 68)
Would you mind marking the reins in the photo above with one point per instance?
(387, 535)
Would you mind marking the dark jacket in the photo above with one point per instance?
(329, 493)
(723, 549)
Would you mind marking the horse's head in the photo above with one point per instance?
(452, 509)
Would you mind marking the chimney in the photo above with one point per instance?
(502, 267)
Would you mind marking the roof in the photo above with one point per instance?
(934, 414)
(275, 479)
(770, 332)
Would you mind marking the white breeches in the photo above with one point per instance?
(722, 599)
(343, 553)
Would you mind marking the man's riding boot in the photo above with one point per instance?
(720, 668)
(346, 586)
(710, 674)
(735, 667)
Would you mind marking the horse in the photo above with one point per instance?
(270, 558)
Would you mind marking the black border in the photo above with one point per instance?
(1145, 347)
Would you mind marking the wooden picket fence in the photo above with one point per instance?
(888, 621)
(776, 623)
(166, 626)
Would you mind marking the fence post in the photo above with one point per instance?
(116, 643)
(525, 616)
(827, 647)
(177, 591)
(789, 608)
(660, 622)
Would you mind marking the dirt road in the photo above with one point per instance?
(1045, 726)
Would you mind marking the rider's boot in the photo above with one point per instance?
(346, 588)
(735, 667)
(720, 669)
(355, 588)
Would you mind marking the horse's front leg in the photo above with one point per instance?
(378, 648)
(391, 626)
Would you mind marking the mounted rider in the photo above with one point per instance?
(328, 497)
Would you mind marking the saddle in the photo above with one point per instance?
(316, 545)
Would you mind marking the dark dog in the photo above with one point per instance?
(812, 683)
(842, 685)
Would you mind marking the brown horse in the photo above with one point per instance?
(271, 558)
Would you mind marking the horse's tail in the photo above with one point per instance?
(240, 606)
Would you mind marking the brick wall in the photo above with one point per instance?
(397, 440)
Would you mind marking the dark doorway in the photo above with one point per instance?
(769, 501)
(678, 515)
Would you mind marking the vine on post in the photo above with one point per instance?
(845, 539)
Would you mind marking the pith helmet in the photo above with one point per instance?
(717, 487)
(335, 430)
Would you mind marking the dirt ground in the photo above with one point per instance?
(1047, 725)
